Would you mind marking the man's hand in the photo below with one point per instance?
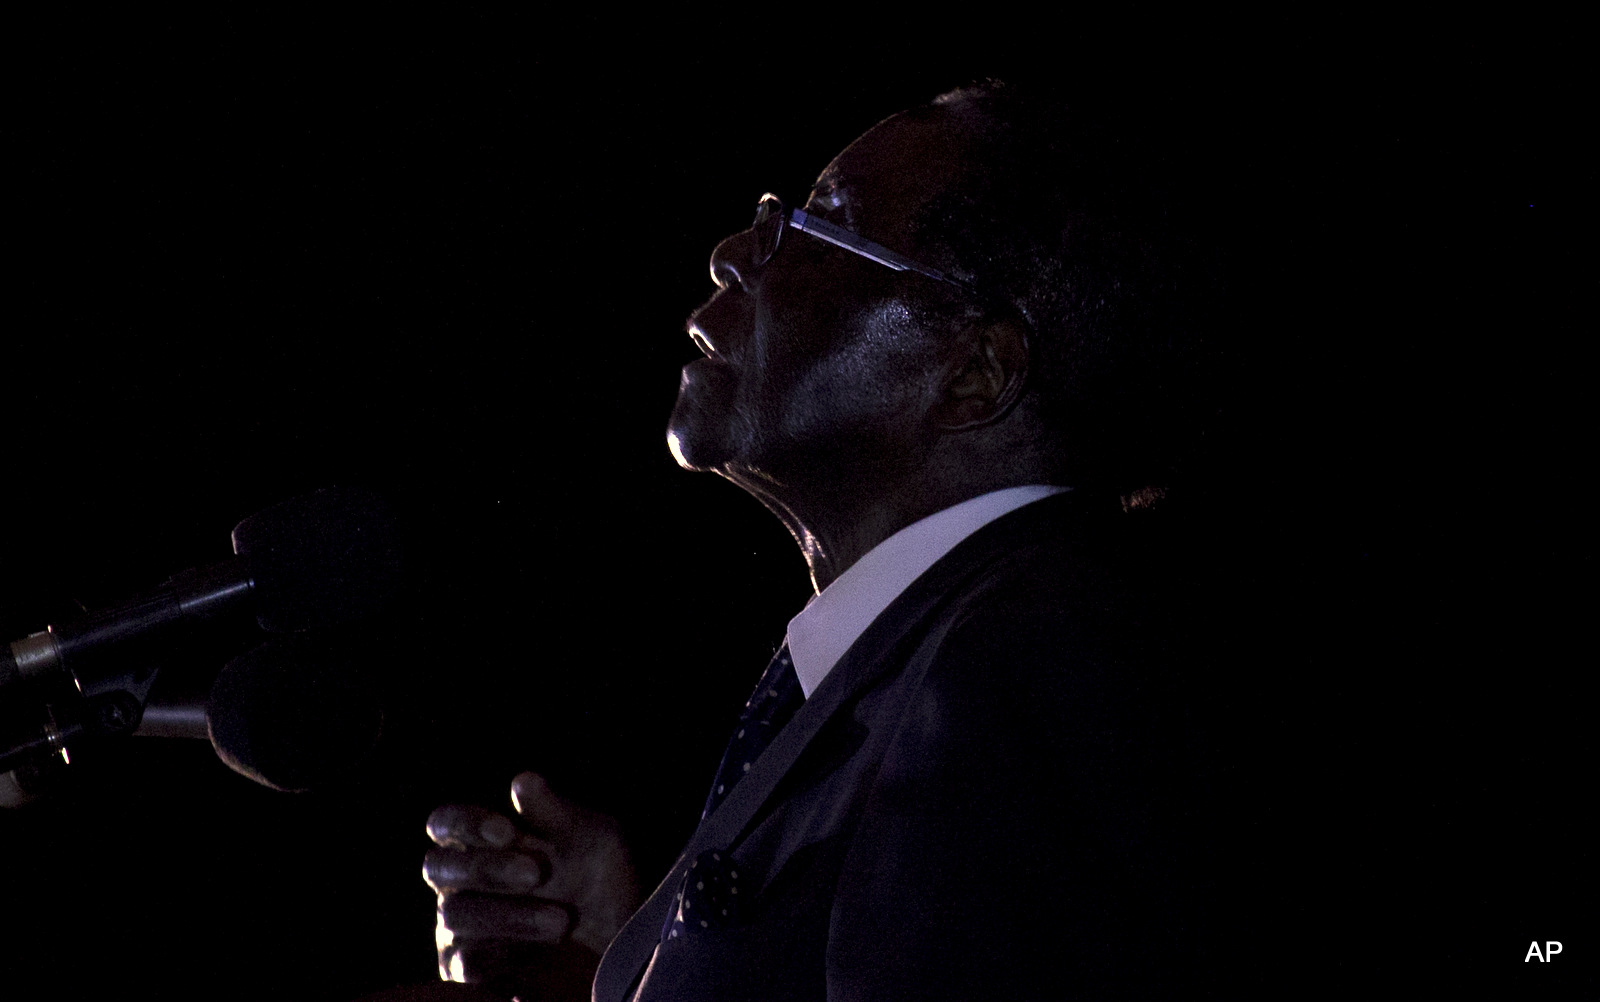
(561, 876)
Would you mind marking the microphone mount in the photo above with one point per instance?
(302, 565)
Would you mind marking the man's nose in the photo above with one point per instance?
(732, 260)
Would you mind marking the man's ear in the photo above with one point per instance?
(985, 375)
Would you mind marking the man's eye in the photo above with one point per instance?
(824, 199)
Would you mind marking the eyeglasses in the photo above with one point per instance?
(773, 217)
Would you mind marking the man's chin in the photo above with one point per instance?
(697, 433)
(690, 453)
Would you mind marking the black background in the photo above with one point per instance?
(449, 260)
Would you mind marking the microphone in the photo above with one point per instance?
(291, 716)
(306, 563)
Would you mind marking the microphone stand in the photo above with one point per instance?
(95, 708)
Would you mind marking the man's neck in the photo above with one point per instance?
(832, 537)
(831, 622)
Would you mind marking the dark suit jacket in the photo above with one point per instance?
(986, 798)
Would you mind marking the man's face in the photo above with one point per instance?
(816, 363)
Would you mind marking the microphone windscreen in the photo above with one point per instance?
(322, 559)
(290, 716)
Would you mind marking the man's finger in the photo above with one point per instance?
(488, 961)
(533, 971)
(465, 916)
(541, 809)
(468, 826)
(496, 871)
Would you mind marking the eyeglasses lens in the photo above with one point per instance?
(768, 228)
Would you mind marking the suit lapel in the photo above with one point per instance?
(866, 660)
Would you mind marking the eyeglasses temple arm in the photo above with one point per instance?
(841, 237)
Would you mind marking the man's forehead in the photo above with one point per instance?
(891, 170)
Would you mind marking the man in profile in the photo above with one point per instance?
(965, 774)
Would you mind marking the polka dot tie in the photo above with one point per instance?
(709, 895)
(776, 698)
(708, 898)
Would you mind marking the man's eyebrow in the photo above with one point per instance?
(830, 193)
(831, 199)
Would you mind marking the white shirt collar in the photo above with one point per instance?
(841, 612)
